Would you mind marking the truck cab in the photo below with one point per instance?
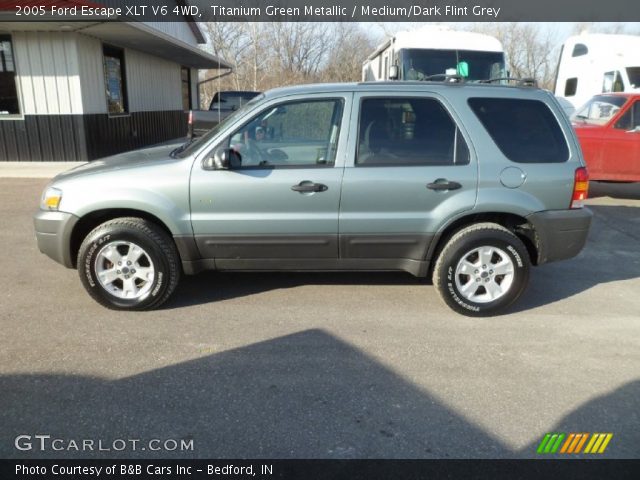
(436, 51)
(594, 63)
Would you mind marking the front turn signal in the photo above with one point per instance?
(51, 199)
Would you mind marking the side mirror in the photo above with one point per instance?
(223, 159)
(394, 73)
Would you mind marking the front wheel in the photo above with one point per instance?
(482, 270)
(128, 264)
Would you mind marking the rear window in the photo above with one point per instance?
(526, 131)
(232, 100)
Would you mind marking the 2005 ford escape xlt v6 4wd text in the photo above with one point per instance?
(468, 183)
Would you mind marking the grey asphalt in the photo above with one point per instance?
(34, 169)
(315, 365)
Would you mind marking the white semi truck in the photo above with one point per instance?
(593, 63)
(435, 52)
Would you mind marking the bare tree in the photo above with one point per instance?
(267, 55)
(599, 27)
(349, 47)
(242, 45)
(298, 50)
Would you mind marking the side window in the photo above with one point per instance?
(9, 104)
(579, 49)
(630, 120)
(396, 131)
(570, 87)
(612, 82)
(526, 131)
(293, 134)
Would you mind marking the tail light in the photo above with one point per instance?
(580, 187)
(190, 125)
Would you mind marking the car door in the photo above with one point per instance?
(410, 169)
(621, 146)
(281, 200)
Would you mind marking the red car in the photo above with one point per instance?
(608, 127)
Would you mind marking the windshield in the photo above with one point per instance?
(420, 63)
(600, 109)
(192, 145)
(634, 76)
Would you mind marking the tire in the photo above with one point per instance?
(148, 272)
(482, 270)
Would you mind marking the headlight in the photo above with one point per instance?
(51, 199)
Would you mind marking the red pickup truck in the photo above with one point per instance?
(608, 127)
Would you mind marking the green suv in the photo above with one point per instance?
(470, 184)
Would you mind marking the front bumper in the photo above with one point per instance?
(560, 234)
(53, 234)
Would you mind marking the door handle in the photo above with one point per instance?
(442, 184)
(309, 187)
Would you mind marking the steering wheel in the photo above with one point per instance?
(254, 151)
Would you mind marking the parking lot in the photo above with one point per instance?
(319, 365)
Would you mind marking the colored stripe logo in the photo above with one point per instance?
(574, 443)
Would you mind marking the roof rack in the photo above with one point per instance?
(521, 82)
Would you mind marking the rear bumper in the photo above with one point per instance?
(560, 234)
(53, 234)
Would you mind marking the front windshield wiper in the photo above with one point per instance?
(181, 148)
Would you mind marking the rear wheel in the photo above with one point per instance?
(129, 264)
(482, 270)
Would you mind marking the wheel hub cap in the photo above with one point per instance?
(484, 274)
(125, 270)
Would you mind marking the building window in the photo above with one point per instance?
(115, 80)
(9, 104)
(185, 76)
